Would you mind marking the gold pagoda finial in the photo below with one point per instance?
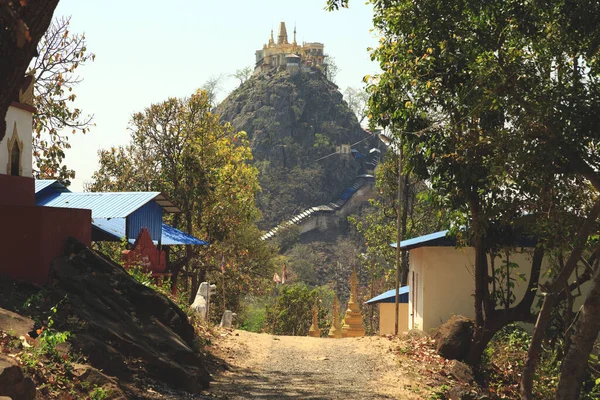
(282, 34)
(294, 43)
(271, 41)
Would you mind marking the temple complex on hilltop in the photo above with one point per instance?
(284, 54)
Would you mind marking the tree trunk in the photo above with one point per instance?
(526, 385)
(16, 50)
(550, 301)
(405, 206)
(586, 332)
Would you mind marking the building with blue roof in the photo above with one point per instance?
(386, 302)
(117, 215)
(441, 277)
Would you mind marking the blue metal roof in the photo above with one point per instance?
(390, 296)
(115, 229)
(103, 205)
(442, 239)
(432, 239)
(172, 236)
(44, 187)
(41, 184)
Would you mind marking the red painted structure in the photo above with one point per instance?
(145, 253)
(31, 236)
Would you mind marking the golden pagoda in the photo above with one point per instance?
(335, 331)
(286, 55)
(353, 322)
(314, 330)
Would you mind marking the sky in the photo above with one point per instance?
(148, 50)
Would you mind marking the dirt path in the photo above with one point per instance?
(287, 367)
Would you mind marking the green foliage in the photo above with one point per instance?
(504, 359)
(291, 311)
(60, 54)
(321, 141)
(179, 147)
(252, 317)
(99, 393)
(288, 237)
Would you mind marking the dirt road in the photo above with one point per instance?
(287, 367)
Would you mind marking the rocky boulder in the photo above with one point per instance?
(292, 120)
(125, 328)
(13, 383)
(453, 338)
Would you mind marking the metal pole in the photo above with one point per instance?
(399, 235)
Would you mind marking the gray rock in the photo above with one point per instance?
(282, 113)
(129, 328)
(460, 371)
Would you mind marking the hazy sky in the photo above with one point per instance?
(149, 50)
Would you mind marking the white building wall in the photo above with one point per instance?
(446, 283)
(23, 121)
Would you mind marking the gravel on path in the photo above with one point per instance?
(264, 366)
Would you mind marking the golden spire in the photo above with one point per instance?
(314, 330)
(294, 43)
(282, 34)
(353, 323)
(271, 41)
(335, 330)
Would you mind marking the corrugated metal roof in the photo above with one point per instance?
(432, 239)
(172, 236)
(390, 296)
(115, 227)
(106, 205)
(41, 184)
(44, 187)
(441, 239)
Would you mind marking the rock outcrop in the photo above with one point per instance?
(453, 338)
(13, 383)
(124, 328)
(294, 123)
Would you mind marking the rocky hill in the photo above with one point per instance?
(294, 123)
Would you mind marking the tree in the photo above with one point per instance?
(23, 24)
(357, 100)
(460, 83)
(243, 74)
(331, 68)
(179, 147)
(60, 54)
(212, 87)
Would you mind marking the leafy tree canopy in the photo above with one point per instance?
(180, 148)
(55, 72)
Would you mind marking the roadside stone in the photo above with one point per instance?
(460, 371)
(460, 393)
(15, 324)
(95, 378)
(13, 383)
(453, 338)
(227, 319)
(416, 334)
